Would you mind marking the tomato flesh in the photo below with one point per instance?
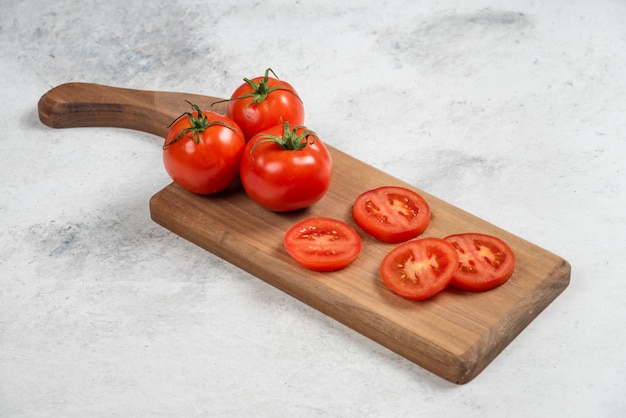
(391, 214)
(322, 244)
(485, 261)
(419, 269)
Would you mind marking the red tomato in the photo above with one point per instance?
(202, 151)
(263, 102)
(485, 261)
(284, 170)
(323, 244)
(419, 269)
(391, 214)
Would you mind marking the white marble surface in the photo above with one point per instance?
(512, 110)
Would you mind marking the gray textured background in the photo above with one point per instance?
(511, 110)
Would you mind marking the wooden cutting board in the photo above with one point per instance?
(454, 335)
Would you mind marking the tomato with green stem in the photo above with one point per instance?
(322, 244)
(485, 261)
(202, 151)
(420, 268)
(263, 102)
(285, 169)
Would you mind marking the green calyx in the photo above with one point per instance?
(260, 90)
(198, 123)
(290, 140)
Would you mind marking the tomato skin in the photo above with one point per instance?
(391, 214)
(279, 105)
(285, 180)
(323, 244)
(485, 261)
(209, 166)
(419, 269)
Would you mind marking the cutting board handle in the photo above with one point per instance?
(94, 105)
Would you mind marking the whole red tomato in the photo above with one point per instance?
(202, 151)
(263, 102)
(285, 169)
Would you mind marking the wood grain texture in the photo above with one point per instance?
(73, 105)
(454, 335)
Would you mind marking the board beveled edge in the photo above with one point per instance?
(552, 286)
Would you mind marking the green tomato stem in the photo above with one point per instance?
(199, 123)
(260, 90)
(290, 139)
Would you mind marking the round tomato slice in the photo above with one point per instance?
(419, 269)
(485, 262)
(391, 214)
(323, 244)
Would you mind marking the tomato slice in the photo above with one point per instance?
(323, 244)
(419, 269)
(391, 214)
(485, 261)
